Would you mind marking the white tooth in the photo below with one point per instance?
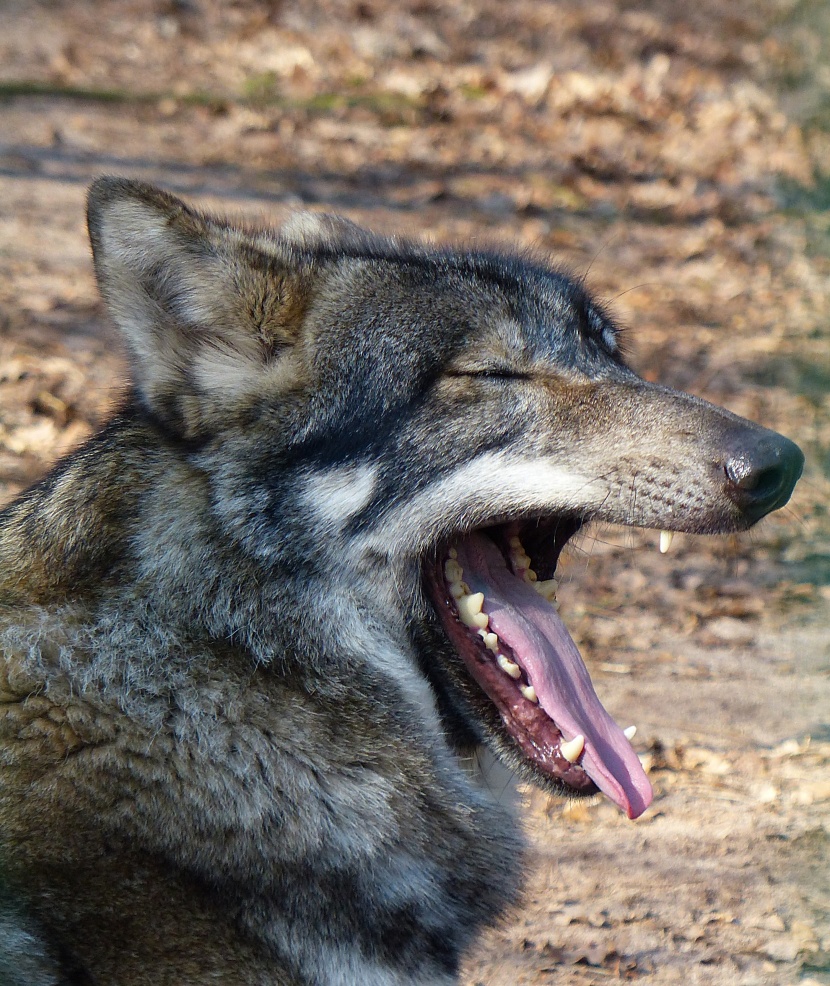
(530, 576)
(665, 541)
(469, 609)
(519, 557)
(529, 692)
(516, 542)
(463, 605)
(453, 571)
(491, 641)
(474, 602)
(457, 590)
(547, 588)
(452, 553)
(630, 733)
(571, 749)
(508, 666)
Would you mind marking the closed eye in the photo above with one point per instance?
(492, 373)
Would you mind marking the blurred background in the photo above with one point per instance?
(675, 155)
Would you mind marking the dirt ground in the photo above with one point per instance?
(678, 156)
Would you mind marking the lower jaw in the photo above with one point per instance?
(523, 725)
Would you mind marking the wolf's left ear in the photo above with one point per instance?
(205, 309)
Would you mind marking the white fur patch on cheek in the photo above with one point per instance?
(336, 495)
(491, 485)
(518, 481)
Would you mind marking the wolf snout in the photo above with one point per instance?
(761, 470)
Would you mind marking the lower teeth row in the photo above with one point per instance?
(508, 666)
(470, 611)
(571, 750)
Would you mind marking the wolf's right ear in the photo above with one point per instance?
(205, 308)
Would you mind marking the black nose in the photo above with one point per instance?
(762, 469)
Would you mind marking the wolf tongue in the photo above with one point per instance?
(552, 663)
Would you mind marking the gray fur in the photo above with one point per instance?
(234, 738)
(25, 959)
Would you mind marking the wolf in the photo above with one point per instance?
(255, 631)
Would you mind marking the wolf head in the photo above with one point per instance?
(420, 431)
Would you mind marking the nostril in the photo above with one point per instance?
(762, 475)
(767, 482)
(760, 481)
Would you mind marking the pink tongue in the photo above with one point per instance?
(550, 659)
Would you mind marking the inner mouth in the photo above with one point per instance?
(495, 592)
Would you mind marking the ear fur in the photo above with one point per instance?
(205, 309)
(325, 231)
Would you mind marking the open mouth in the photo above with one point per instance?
(495, 593)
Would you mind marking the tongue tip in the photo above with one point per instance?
(638, 806)
(627, 786)
(635, 801)
(633, 804)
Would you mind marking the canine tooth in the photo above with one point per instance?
(491, 641)
(457, 590)
(508, 666)
(453, 571)
(571, 749)
(630, 733)
(529, 692)
(665, 541)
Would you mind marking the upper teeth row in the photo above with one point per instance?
(520, 560)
